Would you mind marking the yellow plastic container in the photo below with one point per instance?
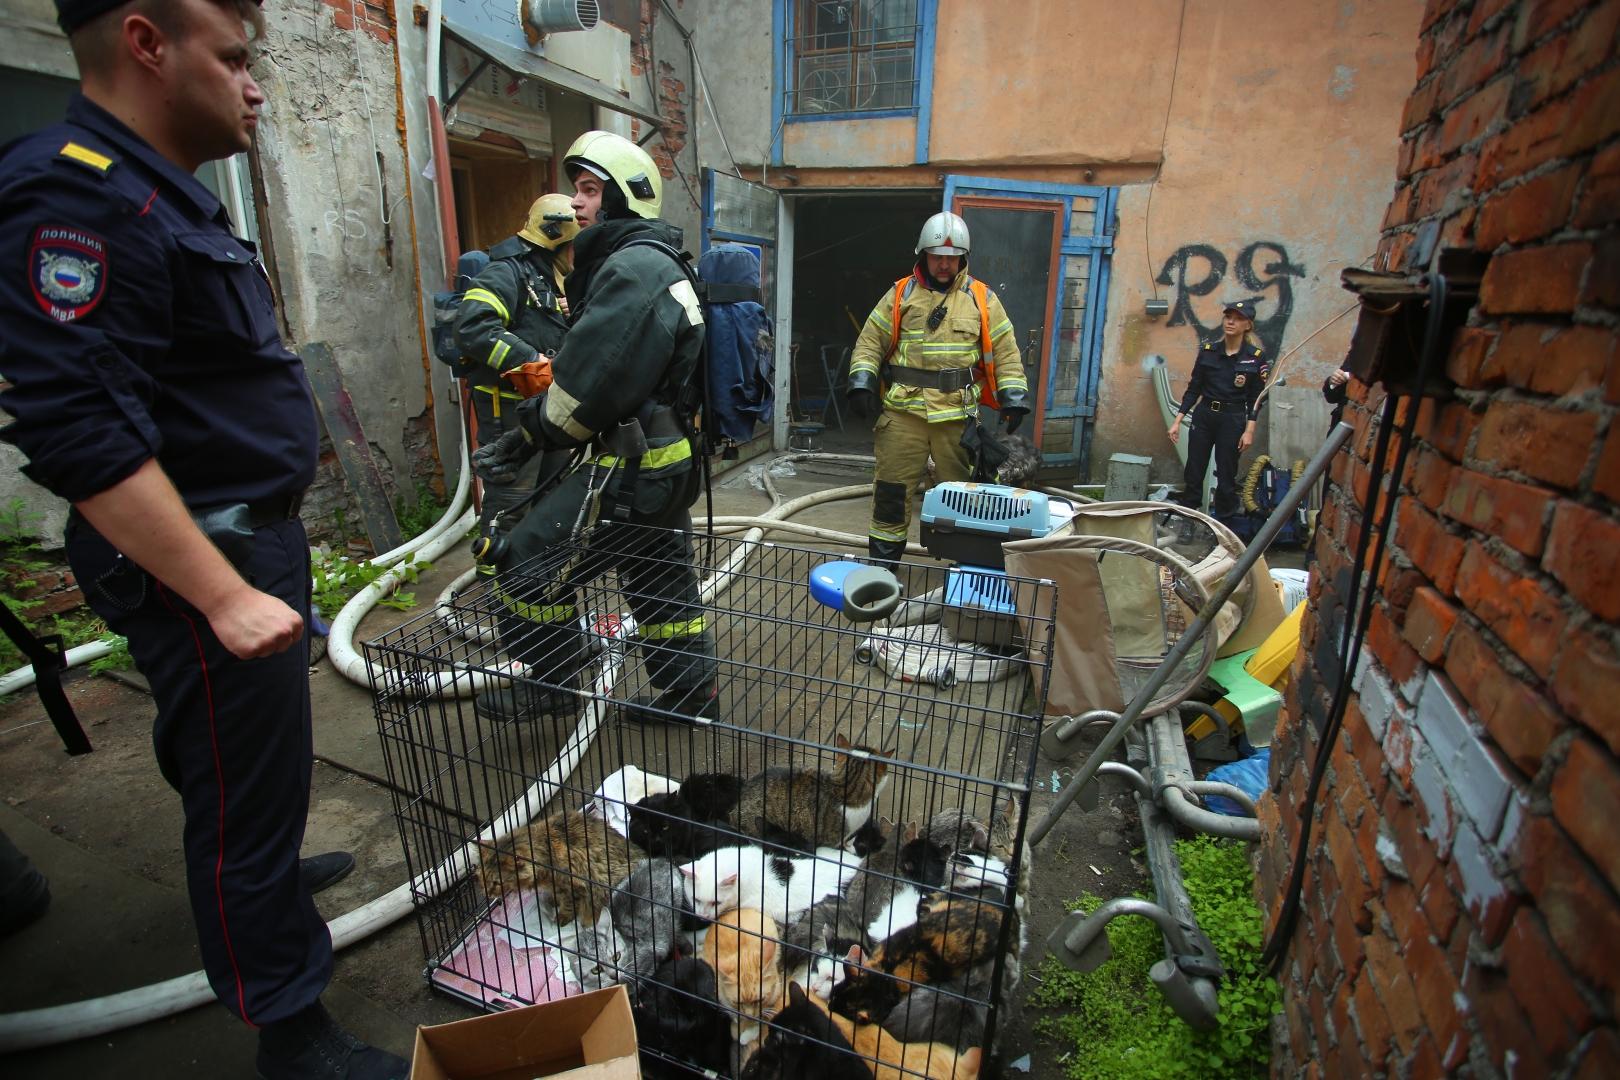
(1271, 661)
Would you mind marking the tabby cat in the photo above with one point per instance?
(825, 807)
(574, 856)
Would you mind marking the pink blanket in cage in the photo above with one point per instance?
(510, 959)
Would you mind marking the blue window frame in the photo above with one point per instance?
(1086, 253)
(852, 60)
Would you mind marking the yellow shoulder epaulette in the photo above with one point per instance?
(96, 162)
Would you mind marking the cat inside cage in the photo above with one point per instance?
(827, 880)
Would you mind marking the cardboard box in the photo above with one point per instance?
(587, 1037)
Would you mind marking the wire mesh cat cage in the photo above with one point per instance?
(850, 826)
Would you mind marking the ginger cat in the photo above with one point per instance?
(743, 949)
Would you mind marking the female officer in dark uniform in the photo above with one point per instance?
(1225, 391)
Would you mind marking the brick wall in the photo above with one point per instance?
(1460, 914)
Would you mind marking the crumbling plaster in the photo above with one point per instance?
(344, 259)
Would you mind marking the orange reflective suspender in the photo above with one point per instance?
(981, 295)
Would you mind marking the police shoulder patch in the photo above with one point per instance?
(94, 160)
(67, 268)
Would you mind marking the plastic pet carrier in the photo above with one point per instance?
(766, 881)
(968, 523)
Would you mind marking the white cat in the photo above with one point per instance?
(899, 913)
(751, 877)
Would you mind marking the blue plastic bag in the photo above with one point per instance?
(1248, 776)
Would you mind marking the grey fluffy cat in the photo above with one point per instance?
(649, 908)
(823, 806)
(1023, 461)
(938, 1014)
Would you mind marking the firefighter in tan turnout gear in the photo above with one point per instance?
(936, 347)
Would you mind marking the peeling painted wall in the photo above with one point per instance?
(1278, 161)
(334, 172)
(836, 144)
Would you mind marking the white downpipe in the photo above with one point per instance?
(435, 32)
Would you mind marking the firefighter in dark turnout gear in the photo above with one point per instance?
(1223, 398)
(629, 360)
(514, 314)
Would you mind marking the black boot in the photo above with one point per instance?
(323, 871)
(311, 1046)
(525, 701)
(690, 705)
(886, 553)
(24, 892)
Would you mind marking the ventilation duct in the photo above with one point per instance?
(555, 16)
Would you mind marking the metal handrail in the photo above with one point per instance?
(1195, 632)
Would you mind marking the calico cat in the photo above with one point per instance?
(781, 887)
(742, 948)
(649, 911)
(803, 1043)
(956, 928)
(826, 807)
(571, 855)
(679, 1015)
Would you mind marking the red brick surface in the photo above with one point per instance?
(1583, 552)
(1504, 572)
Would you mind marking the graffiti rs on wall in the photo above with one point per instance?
(1199, 269)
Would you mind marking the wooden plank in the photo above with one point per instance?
(353, 451)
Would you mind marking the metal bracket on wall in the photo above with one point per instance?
(483, 62)
(353, 450)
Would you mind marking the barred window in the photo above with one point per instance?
(852, 56)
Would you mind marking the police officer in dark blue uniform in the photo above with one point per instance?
(1223, 399)
(151, 390)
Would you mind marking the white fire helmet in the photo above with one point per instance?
(944, 234)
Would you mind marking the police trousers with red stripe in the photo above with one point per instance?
(233, 738)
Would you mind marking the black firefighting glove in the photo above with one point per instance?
(863, 402)
(499, 462)
(1013, 418)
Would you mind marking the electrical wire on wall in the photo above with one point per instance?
(652, 89)
(365, 99)
(703, 87)
(1164, 138)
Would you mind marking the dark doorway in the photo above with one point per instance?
(849, 249)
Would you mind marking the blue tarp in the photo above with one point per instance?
(1248, 776)
(740, 346)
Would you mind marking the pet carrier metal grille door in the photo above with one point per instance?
(833, 828)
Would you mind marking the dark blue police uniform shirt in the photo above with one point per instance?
(1232, 380)
(133, 325)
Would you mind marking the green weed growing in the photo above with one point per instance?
(1119, 1024)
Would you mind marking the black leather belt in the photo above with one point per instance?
(277, 508)
(260, 513)
(947, 379)
(1227, 406)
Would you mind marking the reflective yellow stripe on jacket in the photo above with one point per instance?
(658, 458)
(666, 630)
(484, 296)
(541, 613)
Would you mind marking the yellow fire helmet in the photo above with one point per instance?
(551, 222)
(613, 157)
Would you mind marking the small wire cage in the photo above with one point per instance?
(839, 819)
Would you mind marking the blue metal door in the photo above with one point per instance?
(1069, 360)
